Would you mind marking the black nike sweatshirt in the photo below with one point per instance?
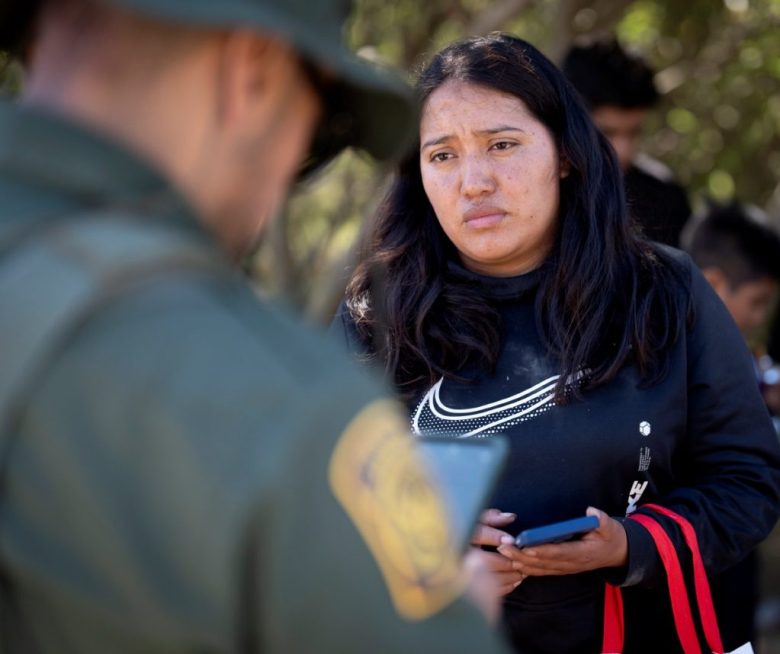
(699, 442)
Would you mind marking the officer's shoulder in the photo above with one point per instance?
(209, 328)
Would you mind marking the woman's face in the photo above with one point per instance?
(491, 172)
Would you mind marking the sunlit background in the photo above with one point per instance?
(717, 125)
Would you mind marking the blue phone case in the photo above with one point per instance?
(557, 532)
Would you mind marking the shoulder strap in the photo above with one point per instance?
(703, 594)
(681, 608)
(678, 593)
(614, 627)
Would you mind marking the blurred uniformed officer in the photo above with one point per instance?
(182, 467)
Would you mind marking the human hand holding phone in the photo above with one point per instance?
(558, 532)
(603, 547)
(489, 532)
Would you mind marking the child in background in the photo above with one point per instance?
(739, 255)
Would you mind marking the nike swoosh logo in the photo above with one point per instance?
(433, 416)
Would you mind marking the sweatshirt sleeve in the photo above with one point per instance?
(729, 457)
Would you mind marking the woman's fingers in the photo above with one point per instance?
(488, 530)
(505, 577)
(496, 562)
(603, 547)
(552, 559)
(496, 518)
(484, 535)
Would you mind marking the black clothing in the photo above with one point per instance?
(658, 204)
(735, 594)
(700, 442)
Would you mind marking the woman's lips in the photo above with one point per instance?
(483, 217)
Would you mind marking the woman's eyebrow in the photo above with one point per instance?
(501, 128)
(436, 141)
(491, 130)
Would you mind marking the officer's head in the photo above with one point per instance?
(226, 96)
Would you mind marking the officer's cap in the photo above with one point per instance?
(366, 107)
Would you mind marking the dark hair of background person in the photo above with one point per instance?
(605, 75)
(606, 297)
(728, 238)
(17, 19)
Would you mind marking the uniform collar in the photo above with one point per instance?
(90, 169)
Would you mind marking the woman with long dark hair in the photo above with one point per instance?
(505, 291)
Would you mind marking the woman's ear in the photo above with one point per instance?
(564, 168)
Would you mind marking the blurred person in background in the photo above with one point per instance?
(184, 467)
(514, 297)
(619, 91)
(739, 255)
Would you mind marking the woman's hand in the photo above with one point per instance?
(505, 576)
(604, 547)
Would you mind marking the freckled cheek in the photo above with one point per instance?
(441, 190)
(519, 177)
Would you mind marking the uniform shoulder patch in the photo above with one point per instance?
(377, 476)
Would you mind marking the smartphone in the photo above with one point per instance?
(465, 472)
(557, 532)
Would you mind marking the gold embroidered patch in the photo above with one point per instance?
(379, 479)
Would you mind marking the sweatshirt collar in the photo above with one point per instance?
(499, 288)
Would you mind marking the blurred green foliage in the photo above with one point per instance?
(11, 76)
(718, 126)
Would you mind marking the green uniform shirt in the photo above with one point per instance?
(168, 485)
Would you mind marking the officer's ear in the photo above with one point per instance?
(253, 75)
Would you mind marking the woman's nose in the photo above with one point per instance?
(477, 177)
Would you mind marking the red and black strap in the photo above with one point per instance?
(614, 627)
